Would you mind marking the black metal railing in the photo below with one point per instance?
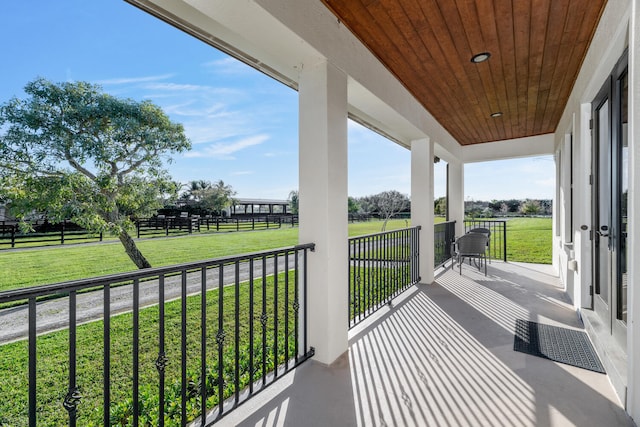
(167, 345)
(498, 238)
(381, 266)
(444, 234)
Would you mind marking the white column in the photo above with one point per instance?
(455, 186)
(633, 321)
(323, 205)
(422, 203)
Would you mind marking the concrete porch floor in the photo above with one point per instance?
(443, 356)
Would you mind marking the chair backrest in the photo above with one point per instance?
(481, 230)
(472, 243)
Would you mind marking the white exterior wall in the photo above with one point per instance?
(633, 331)
(617, 29)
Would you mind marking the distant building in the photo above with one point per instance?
(260, 207)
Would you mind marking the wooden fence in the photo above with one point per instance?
(66, 232)
(45, 234)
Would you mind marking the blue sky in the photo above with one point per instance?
(243, 124)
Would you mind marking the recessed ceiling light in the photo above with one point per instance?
(496, 114)
(480, 57)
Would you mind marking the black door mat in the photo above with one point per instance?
(562, 345)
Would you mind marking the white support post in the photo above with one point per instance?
(323, 205)
(455, 187)
(422, 203)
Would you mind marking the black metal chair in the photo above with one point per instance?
(472, 246)
(487, 233)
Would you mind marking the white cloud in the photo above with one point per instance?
(191, 109)
(175, 87)
(227, 66)
(224, 151)
(130, 80)
(238, 173)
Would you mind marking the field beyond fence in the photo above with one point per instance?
(529, 240)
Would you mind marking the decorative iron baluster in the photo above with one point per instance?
(183, 348)
(263, 320)
(72, 399)
(220, 336)
(71, 402)
(162, 360)
(275, 316)
(251, 322)
(237, 333)
(286, 310)
(106, 356)
(203, 343)
(33, 404)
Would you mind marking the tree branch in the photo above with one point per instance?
(77, 166)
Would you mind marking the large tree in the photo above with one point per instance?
(71, 151)
(294, 200)
(208, 196)
(385, 204)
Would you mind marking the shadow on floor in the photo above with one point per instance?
(443, 356)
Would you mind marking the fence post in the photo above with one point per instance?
(217, 223)
(62, 233)
(137, 228)
(101, 236)
(504, 240)
(237, 224)
(13, 235)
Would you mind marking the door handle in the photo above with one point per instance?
(603, 232)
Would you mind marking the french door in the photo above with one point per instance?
(610, 188)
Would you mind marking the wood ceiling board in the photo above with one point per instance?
(506, 59)
(537, 47)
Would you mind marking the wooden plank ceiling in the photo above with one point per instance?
(536, 47)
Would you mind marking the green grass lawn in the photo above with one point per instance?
(61, 263)
(529, 240)
(23, 268)
(53, 367)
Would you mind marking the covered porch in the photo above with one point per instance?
(465, 83)
(443, 354)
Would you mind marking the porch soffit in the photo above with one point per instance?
(537, 48)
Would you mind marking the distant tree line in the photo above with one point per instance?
(493, 208)
(384, 205)
(202, 198)
(390, 204)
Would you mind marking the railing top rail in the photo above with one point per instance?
(485, 220)
(417, 227)
(76, 285)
